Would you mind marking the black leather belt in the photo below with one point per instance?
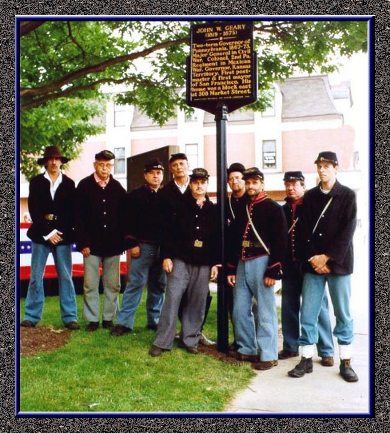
(50, 217)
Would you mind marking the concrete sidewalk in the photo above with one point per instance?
(320, 392)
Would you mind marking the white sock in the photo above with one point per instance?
(345, 351)
(307, 351)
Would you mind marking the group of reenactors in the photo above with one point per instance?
(171, 234)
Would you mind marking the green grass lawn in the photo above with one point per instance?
(95, 372)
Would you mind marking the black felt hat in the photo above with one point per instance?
(52, 152)
(199, 173)
(327, 157)
(176, 156)
(104, 155)
(153, 164)
(252, 172)
(236, 166)
(293, 175)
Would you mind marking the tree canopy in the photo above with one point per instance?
(65, 65)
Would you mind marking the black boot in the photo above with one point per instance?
(305, 366)
(347, 372)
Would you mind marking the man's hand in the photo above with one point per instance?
(86, 251)
(56, 238)
(231, 279)
(167, 265)
(214, 273)
(318, 263)
(135, 252)
(269, 282)
(324, 270)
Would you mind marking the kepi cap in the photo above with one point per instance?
(236, 166)
(52, 152)
(252, 172)
(104, 155)
(293, 175)
(327, 157)
(153, 164)
(176, 156)
(199, 173)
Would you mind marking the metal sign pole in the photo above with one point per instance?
(221, 117)
(221, 77)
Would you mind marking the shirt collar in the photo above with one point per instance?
(183, 188)
(100, 182)
(57, 181)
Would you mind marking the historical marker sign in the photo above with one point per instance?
(222, 67)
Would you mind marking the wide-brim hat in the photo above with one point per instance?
(52, 152)
(293, 175)
(252, 172)
(199, 173)
(327, 157)
(153, 164)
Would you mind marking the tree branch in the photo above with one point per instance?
(99, 67)
(71, 37)
(91, 86)
(27, 27)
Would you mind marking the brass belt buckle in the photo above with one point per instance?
(246, 244)
(49, 217)
(198, 244)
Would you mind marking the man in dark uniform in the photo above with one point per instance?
(178, 187)
(142, 218)
(260, 236)
(329, 222)
(189, 250)
(172, 194)
(100, 239)
(237, 199)
(292, 279)
(51, 204)
(236, 202)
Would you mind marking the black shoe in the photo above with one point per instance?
(152, 326)
(119, 330)
(72, 326)
(92, 326)
(181, 344)
(189, 349)
(156, 351)
(27, 324)
(347, 372)
(264, 365)
(305, 366)
(327, 361)
(247, 358)
(285, 354)
(107, 324)
(193, 350)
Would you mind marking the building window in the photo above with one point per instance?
(270, 110)
(120, 115)
(192, 155)
(120, 160)
(269, 153)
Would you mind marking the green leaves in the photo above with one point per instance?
(63, 65)
(64, 122)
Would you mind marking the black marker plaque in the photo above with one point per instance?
(222, 67)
